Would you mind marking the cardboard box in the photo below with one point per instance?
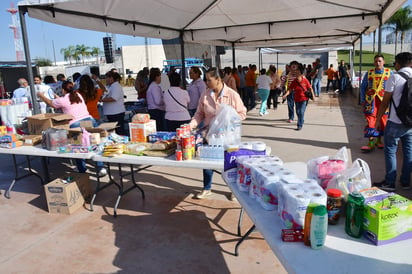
(32, 140)
(140, 131)
(388, 219)
(63, 198)
(103, 129)
(38, 123)
(83, 183)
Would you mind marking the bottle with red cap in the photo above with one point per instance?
(334, 205)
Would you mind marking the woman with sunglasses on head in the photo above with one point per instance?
(216, 94)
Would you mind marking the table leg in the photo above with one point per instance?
(17, 177)
(243, 238)
(239, 223)
(100, 188)
(122, 192)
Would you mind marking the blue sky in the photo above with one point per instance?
(43, 35)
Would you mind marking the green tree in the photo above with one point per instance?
(43, 62)
(82, 50)
(400, 22)
(95, 51)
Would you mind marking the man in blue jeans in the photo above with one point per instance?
(395, 130)
(343, 76)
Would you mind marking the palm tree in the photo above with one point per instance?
(82, 50)
(400, 22)
(95, 51)
(66, 54)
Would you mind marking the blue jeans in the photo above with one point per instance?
(393, 133)
(263, 94)
(291, 105)
(250, 98)
(316, 86)
(342, 84)
(300, 112)
(207, 179)
(81, 163)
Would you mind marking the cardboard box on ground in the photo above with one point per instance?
(66, 197)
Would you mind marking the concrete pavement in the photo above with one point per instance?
(169, 232)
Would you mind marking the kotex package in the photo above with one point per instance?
(323, 168)
(294, 199)
(231, 154)
(245, 163)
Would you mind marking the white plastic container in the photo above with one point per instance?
(318, 227)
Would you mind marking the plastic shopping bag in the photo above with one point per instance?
(355, 178)
(225, 128)
(323, 168)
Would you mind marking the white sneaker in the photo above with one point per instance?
(102, 172)
(203, 194)
(261, 114)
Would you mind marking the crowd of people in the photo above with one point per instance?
(199, 102)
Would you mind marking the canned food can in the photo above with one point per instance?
(187, 154)
(187, 142)
(179, 155)
(179, 133)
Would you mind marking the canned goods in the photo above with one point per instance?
(187, 142)
(179, 155)
(179, 133)
(187, 154)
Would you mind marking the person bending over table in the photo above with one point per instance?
(210, 100)
(72, 103)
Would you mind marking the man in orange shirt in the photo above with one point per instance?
(250, 79)
(331, 73)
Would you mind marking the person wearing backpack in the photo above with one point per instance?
(398, 97)
(372, 90)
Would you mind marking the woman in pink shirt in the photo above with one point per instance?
(72, 103)
(210, 100)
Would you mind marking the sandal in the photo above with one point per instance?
(369, 147)
(379, 144)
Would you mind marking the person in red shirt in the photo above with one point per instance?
(299, 86)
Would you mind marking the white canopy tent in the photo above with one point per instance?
(236, 23)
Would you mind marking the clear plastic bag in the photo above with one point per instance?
(323, 168)
(225, 128)
(355, 178)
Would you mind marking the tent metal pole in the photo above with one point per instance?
(22, 12)
(277, 60)
(233, 56)
(360, 68)
(260, 59)
(380, 35)
(182, 52)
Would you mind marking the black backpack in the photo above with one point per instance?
(404, 109)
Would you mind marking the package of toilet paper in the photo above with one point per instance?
(246, 163)
(234, 151)
(294, 199)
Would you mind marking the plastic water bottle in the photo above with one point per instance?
(213, 139)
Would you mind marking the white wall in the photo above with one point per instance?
(135, 58)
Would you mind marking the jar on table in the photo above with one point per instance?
(334, 205)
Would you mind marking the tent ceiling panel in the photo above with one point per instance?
(222, 22)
